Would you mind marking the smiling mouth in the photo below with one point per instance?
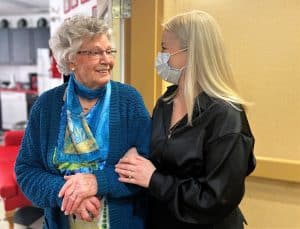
(102, 70)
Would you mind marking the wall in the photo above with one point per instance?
(270, 204)
(262, 40)
(60, 11)
(146, 17)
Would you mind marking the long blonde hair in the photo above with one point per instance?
(207, 68)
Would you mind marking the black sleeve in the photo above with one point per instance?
(210, 197)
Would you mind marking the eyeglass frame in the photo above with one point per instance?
(98, 53)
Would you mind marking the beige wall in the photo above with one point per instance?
(271, 204)
(146, 16)
(263, 42)
(262, 38)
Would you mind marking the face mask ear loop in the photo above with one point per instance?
(182, 68)
(179, 51)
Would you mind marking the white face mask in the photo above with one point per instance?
(164, 70)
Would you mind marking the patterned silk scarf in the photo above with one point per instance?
(83, 140)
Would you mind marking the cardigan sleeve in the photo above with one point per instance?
(208, 198)
(37, 181)
(137, 129)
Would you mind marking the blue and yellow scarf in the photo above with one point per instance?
(83, 140)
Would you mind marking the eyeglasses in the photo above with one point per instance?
(98, 53)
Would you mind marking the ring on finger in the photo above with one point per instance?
(130, 174)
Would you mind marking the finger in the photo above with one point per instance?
(68, 177)
(128, 160)
(121, 172)
(76, 203)
(69, 191)
(64, 188)
(65, 203)
(67, 199)
(96, 202)
(92, 209)
(85, 215)
(128, 180)
(128, 167)
(69, 203)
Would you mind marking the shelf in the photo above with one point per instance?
(19, 90)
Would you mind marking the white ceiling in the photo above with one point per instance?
(23, 7)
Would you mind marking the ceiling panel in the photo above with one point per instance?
(23, 7)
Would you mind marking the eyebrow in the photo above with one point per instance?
(163, 44)
(98, 48)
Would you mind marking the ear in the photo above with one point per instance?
(72, 66)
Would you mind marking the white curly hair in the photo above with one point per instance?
(69, 37)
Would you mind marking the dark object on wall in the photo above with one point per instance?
(22, 23)
(66, 78)
(30, 98)
(33, 81)
(42, 22)
(4, 23)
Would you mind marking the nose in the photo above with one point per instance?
(104, 57)
(106, 60)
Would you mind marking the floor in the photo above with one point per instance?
(25, 218)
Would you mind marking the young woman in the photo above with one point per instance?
(201, 146)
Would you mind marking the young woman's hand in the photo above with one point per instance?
(135, 169)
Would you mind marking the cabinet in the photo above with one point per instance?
(40, 40)
(19, 46)
(4, 46)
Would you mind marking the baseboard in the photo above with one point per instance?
(277, 169)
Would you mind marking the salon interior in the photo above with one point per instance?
(262, 41)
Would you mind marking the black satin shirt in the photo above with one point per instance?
(200, 170)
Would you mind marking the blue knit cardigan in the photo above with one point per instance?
(40, 180)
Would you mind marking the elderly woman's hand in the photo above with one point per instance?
(77, 188)
(135, 169)
(88, 209)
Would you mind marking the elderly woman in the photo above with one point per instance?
(78, 131)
